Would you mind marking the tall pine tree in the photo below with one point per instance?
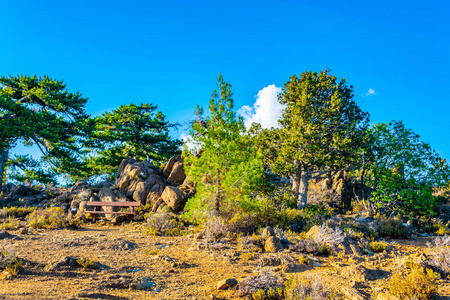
(226, 167)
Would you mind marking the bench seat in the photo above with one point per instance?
(97, 204)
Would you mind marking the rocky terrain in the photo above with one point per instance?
(128, 264)
(158, 257)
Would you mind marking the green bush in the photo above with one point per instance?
(378, 246)
(392, 228)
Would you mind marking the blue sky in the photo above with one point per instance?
(170, 53)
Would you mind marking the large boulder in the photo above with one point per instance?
(177, 174)
(154, 194)
(168, 167)
(174, 198)
(107, 195)
(141, 192)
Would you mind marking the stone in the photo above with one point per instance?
(65, 264)
(174, 198)
(124, 182)
(267, 232)
(141, 192)
(177, 174)
(168, 167)
(22, 230)
(357, 273)
(106, 195)
(154, 194)
(226, 283)
(157, 204)
(273, 244)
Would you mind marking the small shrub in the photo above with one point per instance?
(392, 228)
(51, 217)
(378, 246)
(215, 228)
(163, 224)
(436, 229)
(261, 279)
(9, 262)
(248, 256)
(303, 260)
(414, 284)
(16, 212)
(87, 263)
(11, 223)
(329, 235)
(441, 254)
(151, 252)
(307, 288)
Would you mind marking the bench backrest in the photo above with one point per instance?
(97, 203)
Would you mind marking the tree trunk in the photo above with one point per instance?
(3, 158)
(302, 198)
(295, 181)
(216, 203)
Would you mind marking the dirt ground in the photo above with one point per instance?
(133, 265)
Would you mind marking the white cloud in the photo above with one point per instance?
(189, 143)
(266, 110)
(371, 92)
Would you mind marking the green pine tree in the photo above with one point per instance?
(227, 167)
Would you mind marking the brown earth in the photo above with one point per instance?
(178, 267)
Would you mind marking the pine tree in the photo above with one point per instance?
(40, 111)
(227, 168)
(135, 131)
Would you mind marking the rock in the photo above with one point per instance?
(357, 273)
(81, 185)
(292, 267)
(65, 264)
(313, 232)
(157, 205)
(124, 182)
(22, 230)
(177, 175)
(271, 261)
(144, 283)
(174, 198)
(273, 244)
(106, 195)
(154, 194)
(141, 192)
(168, 167)
(22, 191)
(226, 283)
(268, 232)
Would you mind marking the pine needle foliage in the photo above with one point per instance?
(227, 167)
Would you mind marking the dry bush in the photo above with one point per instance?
(162, 223)
(441, 254)
(215, 228)
(327, 235)
(9, 262)
(51, 217)
(311, 288)
(262, 279)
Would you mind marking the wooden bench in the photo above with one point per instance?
(97, 204)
